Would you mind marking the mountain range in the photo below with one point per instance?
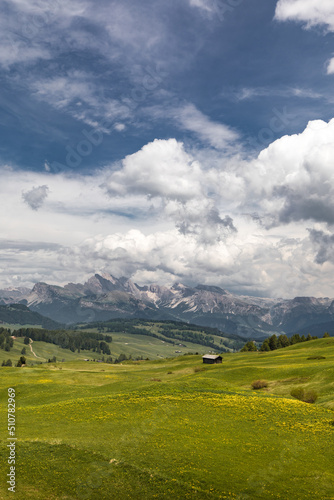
(105, 297)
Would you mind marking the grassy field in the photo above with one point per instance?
(151, 347)
(174, 428)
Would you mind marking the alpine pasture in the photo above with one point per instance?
(174, 428)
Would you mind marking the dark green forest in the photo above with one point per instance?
(67, 339)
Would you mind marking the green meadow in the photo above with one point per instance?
(173, 428)
(123, 342)
(134, 345)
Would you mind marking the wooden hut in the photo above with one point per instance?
(212, 359)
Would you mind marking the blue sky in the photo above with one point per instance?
(234, 64)
(187, 140)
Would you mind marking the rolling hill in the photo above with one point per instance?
(19, 314)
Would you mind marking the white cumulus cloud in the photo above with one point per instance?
(294, 176)
(161, 168)
(309, 12)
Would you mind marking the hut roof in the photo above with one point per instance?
(211, 356)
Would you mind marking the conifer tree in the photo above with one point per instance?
(273, 342)
(265, 346)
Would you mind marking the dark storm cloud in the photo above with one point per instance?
(302, 206)
(36, 197)
(323, 244)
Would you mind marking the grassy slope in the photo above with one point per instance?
(44, 351)
(138, 343)
(126, 343)
(136, 431)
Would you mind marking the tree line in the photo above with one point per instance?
(189, 336)
(68, 339)
(272, 343)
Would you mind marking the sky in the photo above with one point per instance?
(184, 141)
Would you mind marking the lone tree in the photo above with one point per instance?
(21, 361)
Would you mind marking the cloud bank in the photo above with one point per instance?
(262, 226)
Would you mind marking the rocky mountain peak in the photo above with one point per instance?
(108, 277)
(13, 294)
(102, 283)
(212, 289)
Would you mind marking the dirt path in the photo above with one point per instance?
(30, 345)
